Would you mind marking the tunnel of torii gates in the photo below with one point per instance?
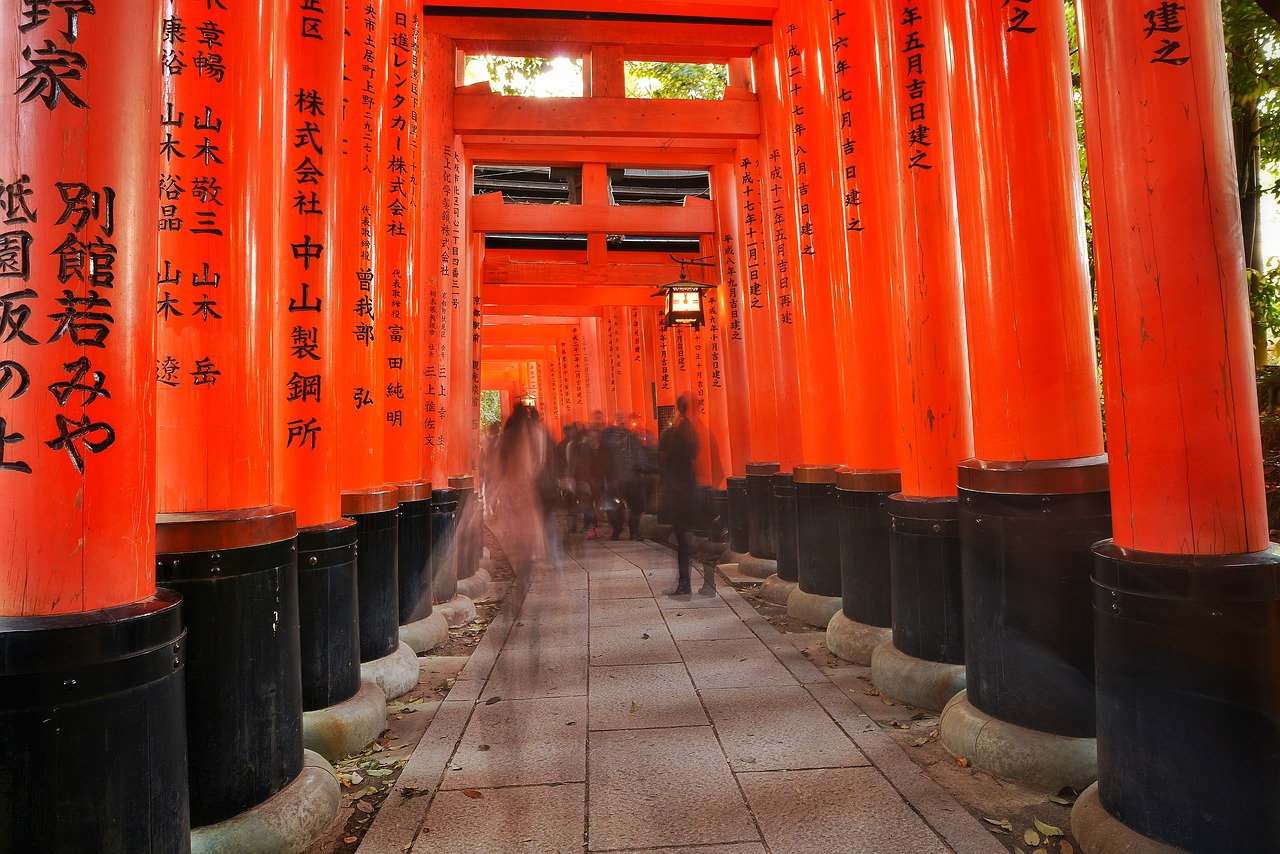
(249, 306)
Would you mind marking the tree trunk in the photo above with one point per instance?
(1245, 126)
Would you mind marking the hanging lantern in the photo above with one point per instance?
(684, 303)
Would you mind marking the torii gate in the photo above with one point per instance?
(905, 386)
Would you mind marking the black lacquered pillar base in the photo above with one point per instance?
(376, 512)
(413, 550)
(237, 574)
(328, 614)
(718, 515)
(444, 564)
(784, 514)
(762, 524)
(468, 531)
(924, 560)
(1026, 532)
(1188, 675)
(817, 531)
(93, 731)
(738, 510)
(865, 531)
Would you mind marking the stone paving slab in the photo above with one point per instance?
(522, 743)
(527, 819)
(629, 645)
(835, 809)
(662, 787)
(642, 696)
(733, 664)
(624, 612)
(740, 848)
(774, 728)
(694, 624)
(530, 672)
(619, 587)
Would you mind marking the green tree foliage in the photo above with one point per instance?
(490, 408)
(683, 80)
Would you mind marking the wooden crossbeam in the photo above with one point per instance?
(614, 117)
(489, 215)
(563, 297)
(500, 271)
(614, 153)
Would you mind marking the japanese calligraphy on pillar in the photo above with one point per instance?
(699, 364)
(854, 189)
(915, 89)
(778, 221)
(796, 97)
(713, 339)
(611, 328)
(310, 188)
(637, 346)
(729, 264)
(753, 230)
(57, 285)
(664, 361)
(579, 391)
(1162, 24)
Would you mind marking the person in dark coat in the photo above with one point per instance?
(677, 450)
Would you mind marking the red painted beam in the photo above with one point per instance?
(560, 297)
(660, 119)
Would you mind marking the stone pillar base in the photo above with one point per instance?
(395, 674)
(645, 527)
(425, 634)
(1039, 759)
(914, 681)
(1099, 832)
(812, 609)
(776, 590)
(853, 641)
(711, 551)
(290, 820)
(475, 586)
(660, 532)
(757, 567)
(459, 611)
(348, 727)
(730, 556)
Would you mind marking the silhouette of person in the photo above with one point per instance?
(677, 452)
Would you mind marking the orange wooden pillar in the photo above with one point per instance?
(934, 432)
(786, 243)
(1185, 596)
(367, 498)
(1034, 498)
(306, 387)
(441, 254)
(865, 139)
(92, 677)
(399, 175)
(654, 369)
(221, 541)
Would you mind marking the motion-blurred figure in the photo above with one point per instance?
(677, 451)
(524, 489)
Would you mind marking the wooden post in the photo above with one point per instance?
(78, 591)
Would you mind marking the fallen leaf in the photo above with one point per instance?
(454, 767)
(379, 772)
(472, 793)
(634, 707)
(871, 692)
(1047, 829)
(1002, 823)
(348, 839)
(570, 723)
(482, 747)
(644, 636)
(962, 762)
(919, 741)
(365, 808)
(1065, 847)
(1060, 800)
(1031, 837)
(492, 700)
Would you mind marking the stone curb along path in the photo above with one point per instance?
(399, 822)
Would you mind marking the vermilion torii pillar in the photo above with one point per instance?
(222, 543)
(1034, 497)
(1187, 593)
(872, 208)
(364, 337)
(91, 684)
(923, 664)
(307, 390)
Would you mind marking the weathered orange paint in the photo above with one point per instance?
(78, 527)
(934, 432)
(865, 140)
(362, 335)
(730, 301)
(1032, 365)
(399, 172)
(217, 262)
(306, 386)
(1186, 467)
(802, 46)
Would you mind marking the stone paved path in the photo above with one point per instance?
(599, 715)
